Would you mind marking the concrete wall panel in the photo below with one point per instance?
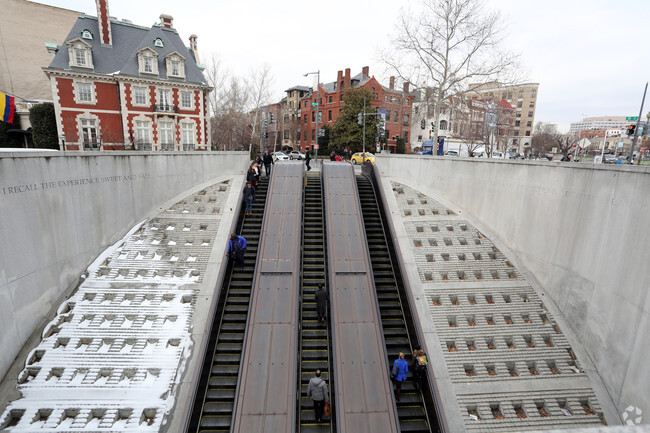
(59, 211)
(581, 230)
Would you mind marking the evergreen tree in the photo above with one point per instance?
(346, 131)
(43, 121)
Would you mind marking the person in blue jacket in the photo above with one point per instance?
(236, 249)
(400, 368)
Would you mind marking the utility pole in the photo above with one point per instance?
(636, 129)
(317, 111)
(364, 130)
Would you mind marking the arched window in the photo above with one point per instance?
(443, 125)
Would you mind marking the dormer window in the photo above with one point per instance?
(148, 64)
(85, 34)
(148, 61)
(175, 65)
(80, 53)
(158, 43)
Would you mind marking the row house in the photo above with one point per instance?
(464, 118)
(290, 106)
(395, 103)
(117, 86)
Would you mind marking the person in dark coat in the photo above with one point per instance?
(249, 197)
(322, 300)
(251, 175)
(332, 156)
(236, 249)
(317, 390)
(419, 366)
(308, 160)
(268, 162)
(400, 368)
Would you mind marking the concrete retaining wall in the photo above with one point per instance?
(59, 211)
(583, 233)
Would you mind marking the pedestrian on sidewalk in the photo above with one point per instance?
(322, 300)
(398, 374)
(317, 390)
(249, 197)
(308, 160)
(237, 249)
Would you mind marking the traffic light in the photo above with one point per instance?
(360, 119)
(630, 129)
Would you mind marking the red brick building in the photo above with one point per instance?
(396, 104)
(116, 86)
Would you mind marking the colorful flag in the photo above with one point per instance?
(7, 108)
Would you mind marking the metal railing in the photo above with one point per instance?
(165, 108)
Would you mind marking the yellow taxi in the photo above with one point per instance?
(357, 158)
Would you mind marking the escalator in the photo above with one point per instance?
(415, 410)
(314, 347)
(213, 406)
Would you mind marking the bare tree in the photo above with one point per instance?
(448, 45)
(230, 122)
(217, 77)
(545, 135)
(564, 143)
(258, 84)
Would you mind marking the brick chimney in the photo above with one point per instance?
(104, 23)
(167, 21)
(365, 71)
(348, 78)
(406, 86)
(392, 83)
(194, 48)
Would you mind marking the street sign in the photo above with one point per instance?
(315, 146)
(632, 118)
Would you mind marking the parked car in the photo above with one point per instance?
(451, 153)
(497, 155)
(280, 156)
(608, 158)
(296, 154)
(357, 158)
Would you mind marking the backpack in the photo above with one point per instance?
(421, 363)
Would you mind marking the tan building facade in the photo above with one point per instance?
(26, 28)
(523, 97)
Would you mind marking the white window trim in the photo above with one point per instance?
(161, 120)
(80, 44)
(143, 118)
(148, 52)
(175, 57)
(93, 92)
(147, 98)
(87, 116)
(192, 104)
(193, 124)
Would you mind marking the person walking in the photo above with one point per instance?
(317, 390)
(322, 300)
(332, 156)
(236, 250)
(268, 162)
(308, 160)
(249, 197)
(400, 368)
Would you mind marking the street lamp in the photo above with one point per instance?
(317, 110)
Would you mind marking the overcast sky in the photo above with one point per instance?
(590, 57)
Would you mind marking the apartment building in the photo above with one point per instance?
(523, 97)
